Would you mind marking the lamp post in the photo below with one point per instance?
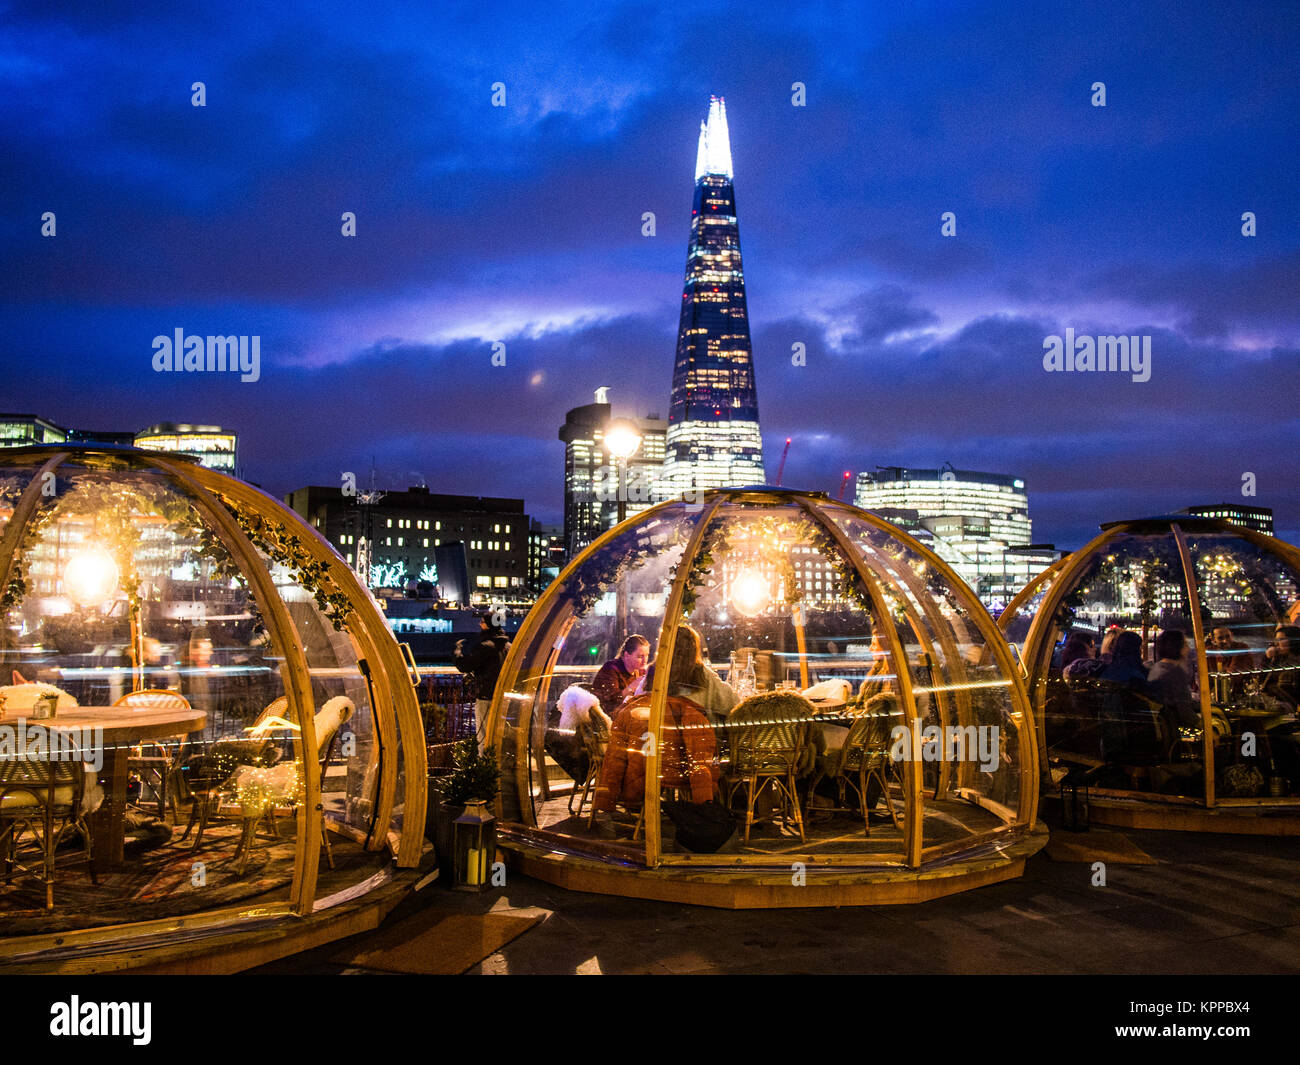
(622, 441)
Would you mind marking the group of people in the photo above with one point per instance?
(697, 700)
(1170, 678)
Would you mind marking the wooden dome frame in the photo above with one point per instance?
(396, 707)
(1137, 809)
(926, 872)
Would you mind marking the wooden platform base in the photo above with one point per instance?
(215, 947)
(749, 888)
(1254, 820)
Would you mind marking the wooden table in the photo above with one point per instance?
(122, 728)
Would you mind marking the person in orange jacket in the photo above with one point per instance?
(687, 756)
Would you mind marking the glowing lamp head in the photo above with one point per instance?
(90, 577)
(750, 594)
(622, 439)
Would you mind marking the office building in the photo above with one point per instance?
(546, 555)
(210, 444)
(592, 480)
(394, 537)
(979, 522)
(1258, 518)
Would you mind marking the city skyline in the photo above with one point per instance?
(472, 230)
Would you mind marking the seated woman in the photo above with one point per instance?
(1171, 683)
(1125, 666)
(880, 678)
(687, 756)
(1282, 666)
(691, 679)
(1078, 644)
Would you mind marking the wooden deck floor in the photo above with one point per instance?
(163, 877)
(828, 833)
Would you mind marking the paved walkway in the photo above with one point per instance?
(1213, 904)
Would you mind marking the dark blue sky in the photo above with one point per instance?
(523, 224)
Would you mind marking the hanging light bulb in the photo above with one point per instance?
(750, 593)
(90, 577)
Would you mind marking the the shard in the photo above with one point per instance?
(713, 437)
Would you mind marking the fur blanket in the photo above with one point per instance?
(577, 705)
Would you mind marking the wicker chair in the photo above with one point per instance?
(278, 787)
(205, 773)
(864, 757)
(768, 734)
(594, 737)
(153, 761)
(35, 793)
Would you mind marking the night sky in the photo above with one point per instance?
(523, 224)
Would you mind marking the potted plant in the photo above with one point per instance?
(475, 776)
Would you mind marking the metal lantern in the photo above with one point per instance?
(1074, 799)
(475, 846)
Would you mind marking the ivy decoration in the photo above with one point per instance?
(16, 589)
(286, 549)
(714, 541)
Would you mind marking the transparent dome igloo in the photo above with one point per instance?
(813, 669)
(1191, 723)
(235, 735)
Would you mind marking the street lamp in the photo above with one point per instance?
(622, 441)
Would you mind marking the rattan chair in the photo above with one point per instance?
(594, 737)
(768, 734)
(278, 787)
(35, 794)
(204, 774)
(864, 757)
(153, 761)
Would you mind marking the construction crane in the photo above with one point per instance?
(844, 483)
(780, 470)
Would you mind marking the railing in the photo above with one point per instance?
(447, 707)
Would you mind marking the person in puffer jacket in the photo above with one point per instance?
(686, 731)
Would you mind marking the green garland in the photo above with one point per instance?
(717, 542)
(286, 549)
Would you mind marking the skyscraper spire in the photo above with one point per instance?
(714, 155)
(713, 436)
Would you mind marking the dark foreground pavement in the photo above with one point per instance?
(1213, 904)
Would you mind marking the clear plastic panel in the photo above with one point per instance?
(1109, 704)
(550, 749)
(966, 735)
(133, 614)
(348, 746)
(1247, 594)
(782, 695)
(13, 482)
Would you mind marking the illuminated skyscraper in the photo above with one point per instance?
(210, 444)
(713, 438)
(591, 478)
(979, 523)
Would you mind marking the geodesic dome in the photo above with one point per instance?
(777, 622)
(1209, 740)
(236, 685)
